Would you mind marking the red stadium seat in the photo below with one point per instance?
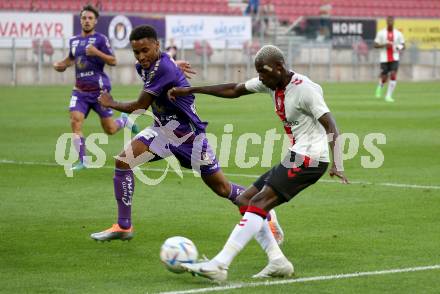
(284, 9)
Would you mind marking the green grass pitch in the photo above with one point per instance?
(46, 217)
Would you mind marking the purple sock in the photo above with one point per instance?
(121, 122)
(80, 146)
(235, 191)
(124, 188)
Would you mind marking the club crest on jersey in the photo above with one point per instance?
(80, 64)
(91, 41)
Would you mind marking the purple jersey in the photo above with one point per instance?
(158, 79)
(89, 70)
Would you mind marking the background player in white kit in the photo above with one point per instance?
(307, 120)
(390, 42)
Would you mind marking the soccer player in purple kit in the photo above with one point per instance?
(174, 121)
(90, 52)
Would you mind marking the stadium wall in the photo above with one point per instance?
(234, 65)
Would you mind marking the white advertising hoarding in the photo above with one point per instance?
(215, 29)
(25, 27)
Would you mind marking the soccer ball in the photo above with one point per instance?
(178, 250)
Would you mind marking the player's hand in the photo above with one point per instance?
(340, 174)
(185, 66)
(173, 93)
(59, 66)
(91, 50)
(105, 99)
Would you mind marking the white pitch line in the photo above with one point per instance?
(396, 185)
(304, 280)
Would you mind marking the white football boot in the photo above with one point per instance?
(207, 269)
(279, 267)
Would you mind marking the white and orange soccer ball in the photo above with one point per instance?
(177, 250)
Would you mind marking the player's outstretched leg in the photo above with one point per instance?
(124, 188)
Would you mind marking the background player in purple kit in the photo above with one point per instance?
(177, 131)
(90, 52)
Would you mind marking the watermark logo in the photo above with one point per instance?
(180, 144)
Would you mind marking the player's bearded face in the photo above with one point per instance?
(88, 21)
(146, 51)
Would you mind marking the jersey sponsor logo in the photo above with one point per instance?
(290, 123)
(86, 74)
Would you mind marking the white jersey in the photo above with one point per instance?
(299, 106)
(389, 54)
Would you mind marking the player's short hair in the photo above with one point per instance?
(143, 31)
(90, 8)
(270, 52)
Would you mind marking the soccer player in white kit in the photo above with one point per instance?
(390, 42)
(300, 105)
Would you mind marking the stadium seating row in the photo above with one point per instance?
(133, 6)
(287, 10)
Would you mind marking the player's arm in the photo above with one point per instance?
(143, 102)
(62, 65)
(107, 58)
(185, 66)
(337, 169)
(231, 90)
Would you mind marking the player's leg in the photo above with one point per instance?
(383, 77)
(146, 146)
(79, 108)
(110, 125)
(272, 220)
(221, 186)
(282, 185)
(76, 122)
(251, 223)
(393, 81)
(135, 153)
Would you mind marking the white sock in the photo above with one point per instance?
(391, 87)
(267, 241)
(381, 83)
(249, 226)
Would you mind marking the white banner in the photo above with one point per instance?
(26, 27)
(215, 29)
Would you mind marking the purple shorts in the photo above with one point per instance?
(84, 101)
(192, 153)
